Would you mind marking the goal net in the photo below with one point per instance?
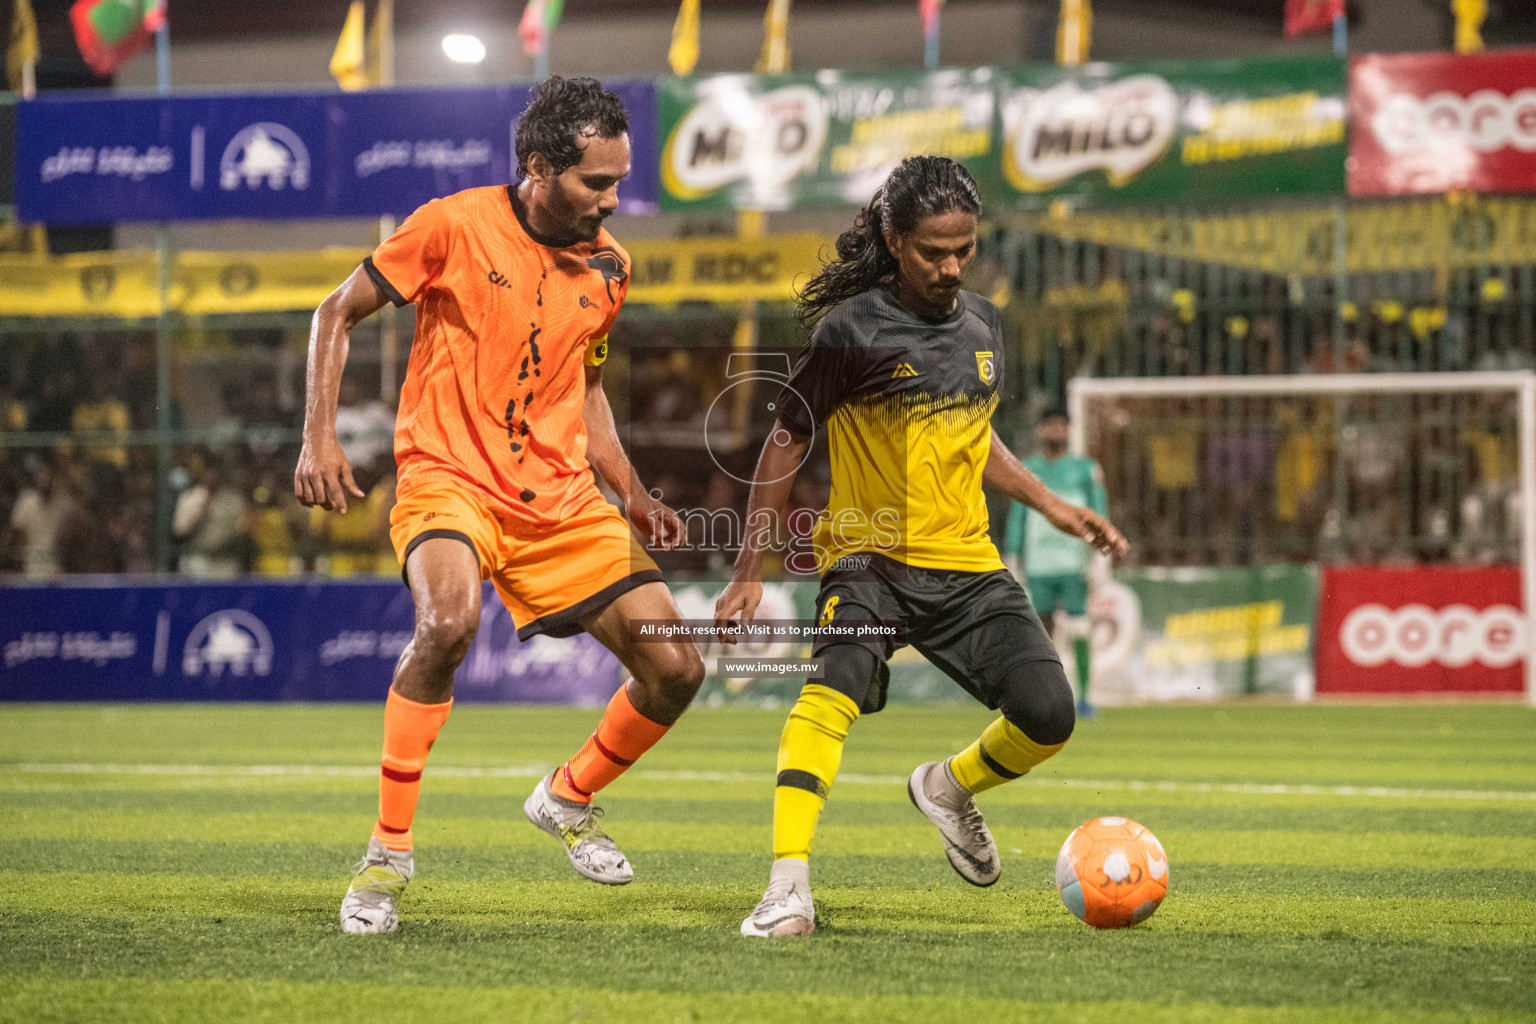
(1232, 485)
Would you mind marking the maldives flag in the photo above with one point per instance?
(538, 23)
(1303, 16)
(930, 12)
(110, 31)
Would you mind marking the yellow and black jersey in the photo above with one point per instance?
(907, 404)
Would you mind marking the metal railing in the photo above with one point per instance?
(1441, 284)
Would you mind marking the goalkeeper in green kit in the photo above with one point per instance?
(1056, 565)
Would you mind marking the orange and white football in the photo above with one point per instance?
(1112, 873)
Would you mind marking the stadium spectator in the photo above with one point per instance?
(263, 411)
(55, 406)
(1238, 464)
(358, 542)
(131, 521)
(1323, 357)
(85, 544)
(719, 544)
(1505, 354)
(1374, 448)
(1490, 509)
(1170, 355)
(1172, 442)
(210, 521)
(13, 411)
(365, 428)
(272, 525)
(1264, 350)
(38, 515)
(102, 412)
(1300, 483)
(676, 398)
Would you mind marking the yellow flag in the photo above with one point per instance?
(684, 53)
(24, 48)
(1469, 24)
(381, 45)
(347, 63)
(775, 55)
(1074, 32)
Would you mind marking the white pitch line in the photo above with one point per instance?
(533, 771)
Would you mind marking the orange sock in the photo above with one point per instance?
(410, 729)
(621, 737)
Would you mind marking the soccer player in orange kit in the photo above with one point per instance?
(502, 419)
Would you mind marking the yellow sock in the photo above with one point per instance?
(1002, 754)
(810, 750)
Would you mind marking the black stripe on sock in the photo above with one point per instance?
(798, 779)
(997, 768)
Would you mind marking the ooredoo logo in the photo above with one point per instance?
(1486, 121)
(1416, 635)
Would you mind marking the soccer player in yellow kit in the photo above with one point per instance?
(903, 368)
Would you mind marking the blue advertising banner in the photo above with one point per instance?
(258, 641)
(285, 155)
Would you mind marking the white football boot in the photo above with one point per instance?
(372, 903)
(968, 842)
(786, 907)
(590, 849)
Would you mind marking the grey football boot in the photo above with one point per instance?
(372, 903)
(786, 907)
(591, 851)
(968, 842)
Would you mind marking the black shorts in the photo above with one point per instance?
(975, 626)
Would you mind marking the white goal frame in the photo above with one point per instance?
(1522, 384)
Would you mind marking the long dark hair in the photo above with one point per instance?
(920, 186)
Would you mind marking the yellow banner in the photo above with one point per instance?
(126, 284)
(724, 270)
(1422, 234)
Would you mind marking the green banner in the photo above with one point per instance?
(1223, 129)
(1196, 634)
(773, 142)
(1102, 134)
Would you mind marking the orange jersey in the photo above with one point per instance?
(505, 326)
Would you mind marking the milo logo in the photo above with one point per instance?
(1055, 134)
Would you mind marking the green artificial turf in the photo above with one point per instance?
(1350, 863)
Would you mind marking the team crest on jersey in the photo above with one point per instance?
(986, 368)
(607, 261)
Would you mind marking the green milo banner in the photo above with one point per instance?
(1101, 133)
(1202, 634)
(1156, 132)
(772, 142)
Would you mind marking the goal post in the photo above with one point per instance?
(1520, 386)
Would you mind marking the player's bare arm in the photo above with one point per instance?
(1007, 474)
(324, 476)
(657, 522)
(772, 481)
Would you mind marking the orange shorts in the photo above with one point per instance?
(548, 578)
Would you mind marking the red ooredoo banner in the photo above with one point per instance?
(1433, 629)
(1429, 122)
